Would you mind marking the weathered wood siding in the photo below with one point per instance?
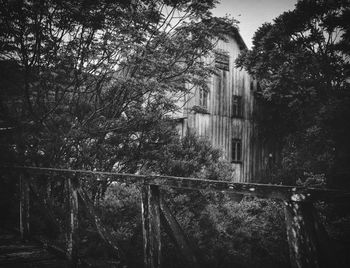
(219, 125)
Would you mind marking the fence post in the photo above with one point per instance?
(150, 205)
(308, 242)
(24, 206)
(71, 236)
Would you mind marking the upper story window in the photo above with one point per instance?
(222, 60)
(203, 98)
(236, 150)
(237, 106)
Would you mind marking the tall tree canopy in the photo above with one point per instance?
(302, 63)
(88, 84)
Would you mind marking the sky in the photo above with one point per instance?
(252, 13)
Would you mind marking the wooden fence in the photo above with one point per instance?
(307, 238)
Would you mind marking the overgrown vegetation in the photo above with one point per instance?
(301, 61)
(90, 85)
(224, 232)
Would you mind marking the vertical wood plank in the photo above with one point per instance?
(72, 224)
(21, 200)
(223, 86)
(24, 207)
(145, 211)
(150, 206)
(307, 246)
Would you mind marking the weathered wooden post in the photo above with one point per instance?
(308, 242)
(24, 207)
(150, 206)
(72, 223)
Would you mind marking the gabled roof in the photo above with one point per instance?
(237, 36)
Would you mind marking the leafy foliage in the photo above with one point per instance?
(90, 84)
(250, 233)
(302, 63)
(185, 157)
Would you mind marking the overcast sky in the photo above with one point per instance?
(252, 13)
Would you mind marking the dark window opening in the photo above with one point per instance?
(203, 98)
(236, 155)
(237, 106)
(222, 60)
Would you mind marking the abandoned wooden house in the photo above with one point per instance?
(224, 113)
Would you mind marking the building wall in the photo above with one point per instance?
(218, 124)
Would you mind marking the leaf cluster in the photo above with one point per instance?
(301, 61)
(89, 84)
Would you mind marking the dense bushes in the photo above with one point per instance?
(224, 232)
(225, 229)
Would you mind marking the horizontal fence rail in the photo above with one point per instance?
(307, 238)
(270, 191)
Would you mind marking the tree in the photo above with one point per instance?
(302, 63)
(88, 84)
